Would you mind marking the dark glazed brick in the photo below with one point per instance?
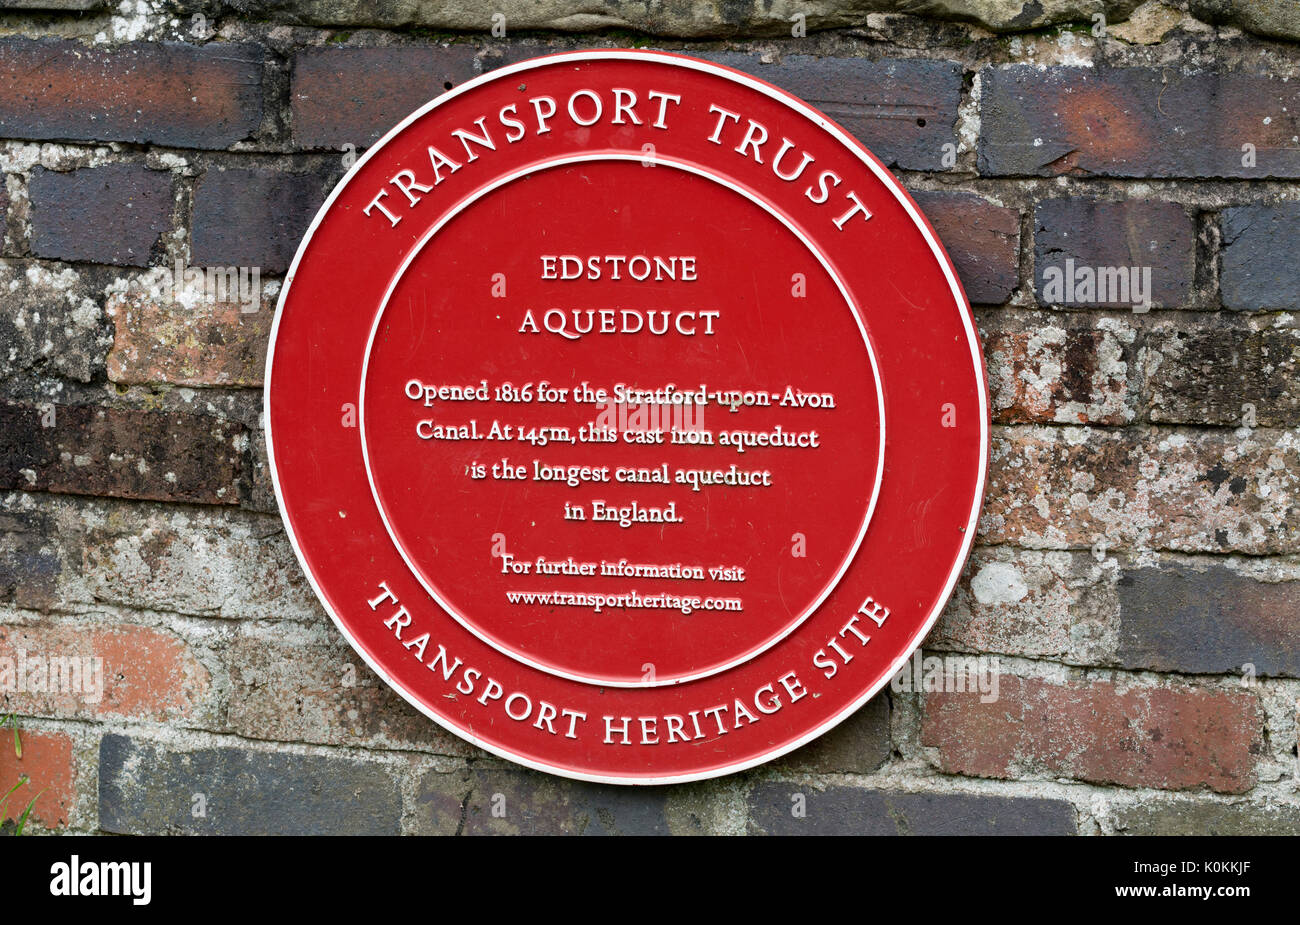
(1210, 621)
(1135, 122)
(982, 239)
(507, 802)
(252, 218)
(858, 745)
(1208, 374)
(1260, 270)
(904, 111)
(354, 95)
(164, 93)
(147, 789)
(1134, 233)
(538, 804)
(113, 214)
(854, 811)
(124, 453)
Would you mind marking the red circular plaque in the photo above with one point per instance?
(627, 416)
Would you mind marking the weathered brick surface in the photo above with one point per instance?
(146, 788)
(1211, 620)
(1225, 374)
(754, 18)
(1259, 245)
(51, 323)
(298, 690)
(1173, 738)
(204, 344)
(72, 670)
(983, 240)
(840, 810)
(1133, 233)
(49, 763)
(55, 4)
(150, 93)
(1196, 491)
(1199, 817)
(1038, 604)
(353, 96)
(1061, 369)
(125, 453)
(114, 214)
(1136, 122)
(62, 552)
(252, 218)
(259, 492)
(904, 111)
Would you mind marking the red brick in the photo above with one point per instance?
(1190, 491)
(1058, 369)
(119, 452)
(353, 96)
(50, 768)
(146, 673)
(1136, 122)
(1174, 738)
(207, 344)
(163, 93)
(983, 240)
(115, 214)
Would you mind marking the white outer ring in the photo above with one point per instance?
(854, 310)
(882, 175)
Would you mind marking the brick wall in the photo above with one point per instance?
(1137, 573)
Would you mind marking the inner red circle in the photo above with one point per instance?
(684, 580)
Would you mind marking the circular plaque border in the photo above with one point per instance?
(882, 174)
(696, 170)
